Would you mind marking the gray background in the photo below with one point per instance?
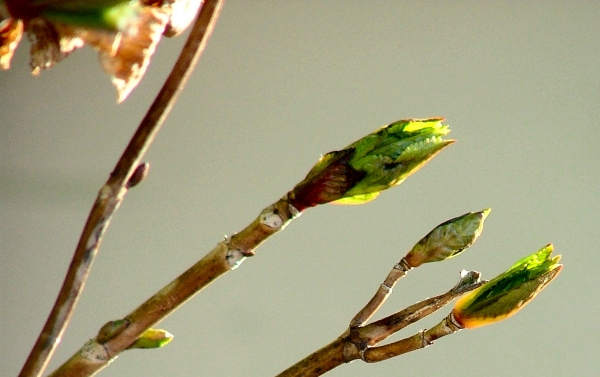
(280, 83)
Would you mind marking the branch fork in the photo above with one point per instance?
(362, 339)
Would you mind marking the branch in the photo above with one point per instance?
(336, 176)
(355, 343)
(112, 193)
(420, 340)
(319, 362)
(399, 271)
(97, 353)
(484, 304)
(446, 240)
(382, 329)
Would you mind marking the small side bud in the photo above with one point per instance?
(153, 338)
(509, 292)
(448, 239)
(111, 329)
(138, 175)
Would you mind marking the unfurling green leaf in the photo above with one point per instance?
(385, 158)
(448, 239)
(153, 338)
(507, 293)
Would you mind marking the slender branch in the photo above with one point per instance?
(420, 340)
(357, 343)
(399, 271)
(382, 329)
(327, 181)
(226, 256)
(444, 241)
(319, 362)
(112, 193)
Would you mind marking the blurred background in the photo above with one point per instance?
(279, 84)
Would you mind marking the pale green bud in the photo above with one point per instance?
(448, 239)
(153, 338)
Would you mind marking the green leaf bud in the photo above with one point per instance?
(383, 159)
(448, 239)
(111, 329)
(153, 338)
(509, 292)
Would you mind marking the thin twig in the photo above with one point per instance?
(357, 343)
(399, 271)
(420, 340)
(382, 329)
(112, 193)
(319, 362)
(444, 241)
(226, 256)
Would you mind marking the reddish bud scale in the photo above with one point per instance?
(328, 185)
(138, 174)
